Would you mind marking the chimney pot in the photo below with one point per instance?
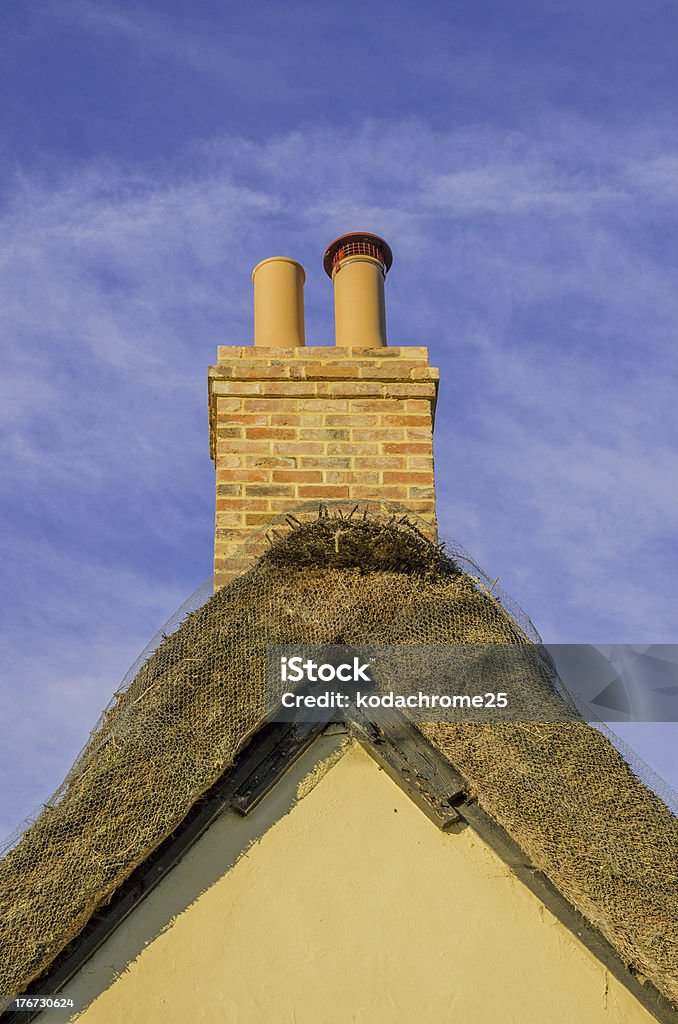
(357, 263)
(279, 303)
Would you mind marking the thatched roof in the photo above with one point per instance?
(561, 791)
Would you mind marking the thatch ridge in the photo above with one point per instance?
(562, 791)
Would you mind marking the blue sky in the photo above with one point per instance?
(521, 161)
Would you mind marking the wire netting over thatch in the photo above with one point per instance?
(561, 790)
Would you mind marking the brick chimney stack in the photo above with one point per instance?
(292, 424)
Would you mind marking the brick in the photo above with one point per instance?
(258, 371)
(231, 447)
(412, 352)
(223, 553)
(351, 476)
(385, 493)
(394, 371)
(245, 475)
(286, 419)
(273, 433)
(333, 371)
(312, 419)
(351, 420)
(323, 491)
(380, 434)
(258, 405)
(331, 405)
(225, 536)
(422, 508)
(362, 466)
(228, 388)
(229, 432)
(257, 518)
(340, 448)
(412, 390)
(229, 518)
(420, 462)
(228, 462)
(419, 433)
(227, 405)
(352, 388)
(297, 476)
(376, 405)
(307, 352)
(420, 492)
(268, 354)
(385, 462)
(407, 448)
(243, 504)
(325, 462)
(322, 434)
(253, 419)
(404, 420)
(269, 461)
(278, 505)
(269, 490)
(350, 448)
(396, 352)
(410, 477)
(230, 490)
(325, 352)
(227, 353)
(299, 448)
(288, 389)
(237, 536)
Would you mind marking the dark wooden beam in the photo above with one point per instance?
(413, 764)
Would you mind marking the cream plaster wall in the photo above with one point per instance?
(350, 907)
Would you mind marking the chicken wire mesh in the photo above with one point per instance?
(369, 573)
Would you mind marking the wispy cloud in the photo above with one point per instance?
(227, 54)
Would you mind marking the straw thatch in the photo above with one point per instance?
(561, 791)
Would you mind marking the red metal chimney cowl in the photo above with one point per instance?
(357, 243)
